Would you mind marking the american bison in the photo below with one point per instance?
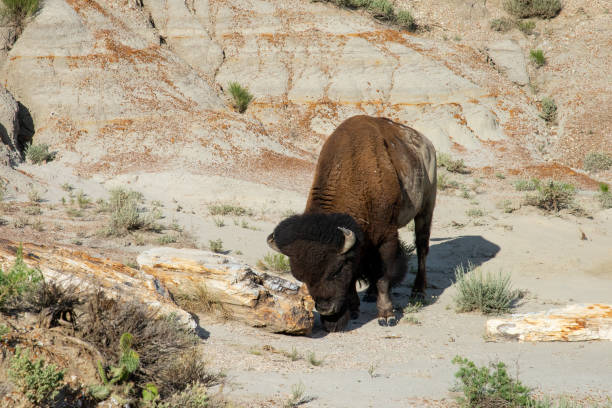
(373, 176)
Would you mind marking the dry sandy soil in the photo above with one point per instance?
(367, 365)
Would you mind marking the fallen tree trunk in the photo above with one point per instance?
(250, 296)
(68, 267)
(571, 323)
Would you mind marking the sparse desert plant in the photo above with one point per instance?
(195, 395)
(549, 109)
(411, 319)
(297, 397)
(500, 176)
(527, 185)
(37, 225)
(167, 239)
(241, 96)
(312, 359)
(124, 206)
(201, 300)
(533, 8)
(537, 57)
(38, 153)
(605, 196)
(18, 280)
(485, 292)
(216, 245)
(445, 183)
(38, 381)
(502, 24)
(453, 166)
(32, 210)
(482, 387)
(274, 262)
(475, 212)
(34, 196)
(83, 200)
(526, 26)
(553, 195)
(405, 19)
(74, 213)
(506, 206)
(597, 161)
(67, 187)
(293, 355)
(381, 9)
(219, 222)
(229, 209)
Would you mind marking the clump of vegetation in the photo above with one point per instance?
(241, 96)
(475, 212)
(38, 381)
(549, 109)
(297, 397)
(483, 387)
(216, 245)
(444, 183)
(526, 26)
(193, 396)
(312, 359)
(605, 196)
(485, 292)
(18, 280)
(38, 153)
(15, 12)
(229, 209)
(125, 213)
(128, 364)
(406, 20)
(527, 185)
(167, 239)
(597, 161)
(380, 9)
(537, 57)
(533, 8)
(502, 24)
(201, 301)
(274, 262)
(553, 196)
(453, 166)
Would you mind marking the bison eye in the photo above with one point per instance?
(335, 274)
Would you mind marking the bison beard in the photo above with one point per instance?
(373, 176)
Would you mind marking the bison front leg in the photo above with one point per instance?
(388, 253)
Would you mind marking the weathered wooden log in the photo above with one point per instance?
(69, 267)
(579, 322)
(253, 297)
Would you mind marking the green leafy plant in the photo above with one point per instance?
(241, 96)
(128, 364)
(38, 153)
(597, 161)
(490, 386)
(18, 280)
(485, 292)
(533, 8)
(537, 57)
(38, 381)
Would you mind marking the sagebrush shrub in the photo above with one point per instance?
(533, 8)
(38, 153)
(242, 97)
(485, 292)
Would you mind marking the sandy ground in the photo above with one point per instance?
(368, 365)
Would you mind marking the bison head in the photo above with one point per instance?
(324, 252)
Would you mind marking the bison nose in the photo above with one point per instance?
(324, 306)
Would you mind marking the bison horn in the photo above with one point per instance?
(349, 239)
(271, 243)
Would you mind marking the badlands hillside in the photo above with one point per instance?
(134, 95)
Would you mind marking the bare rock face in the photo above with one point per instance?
(571, 323)
(9, 128)
(507, 56)
(117, 281)
(255, 298)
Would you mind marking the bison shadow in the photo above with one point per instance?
(445, 255)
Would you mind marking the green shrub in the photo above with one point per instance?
(502, 24)
(454, 166)
(18, 280)
(485, 292)
(381, 9)
(38, 153)
(275, 262)
(405, 19)
(533, 8)
(526, 26)
(241, 96)
(553, 196)
(482, 387)
(124, 206)
(39, 382)
(549, 109)
(216, 245)
(167, 239)
(527, 185)
(605, 196)
(596, 161)
(537, 57)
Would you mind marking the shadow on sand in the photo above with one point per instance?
(445, 255)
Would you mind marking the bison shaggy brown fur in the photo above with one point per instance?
(373, 176)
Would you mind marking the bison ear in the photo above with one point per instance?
(349, 239)
(272, 244)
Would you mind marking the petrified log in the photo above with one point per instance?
(572, 323)
(250, 296)
(69, 267)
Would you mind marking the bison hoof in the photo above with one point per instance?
(387, 321)
(417, 295)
